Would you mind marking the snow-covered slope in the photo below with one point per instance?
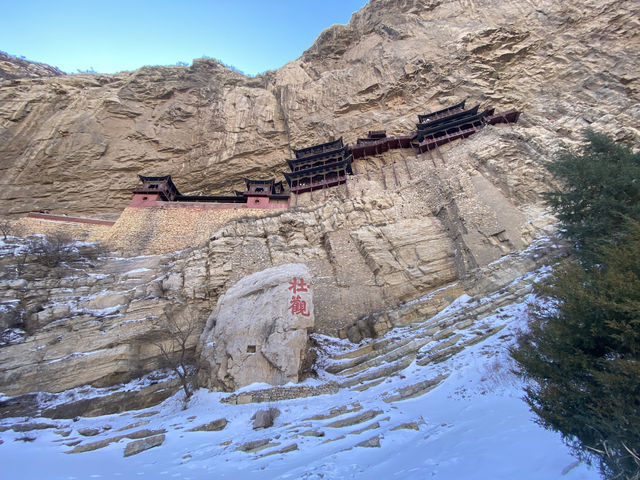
(456, 411)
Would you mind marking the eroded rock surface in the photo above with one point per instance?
(568, 65)
(407, 226)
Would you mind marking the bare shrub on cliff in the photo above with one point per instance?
(5, 228)
(178, 327)
(58, 249)
(53, 249)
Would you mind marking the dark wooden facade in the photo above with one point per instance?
(458, 127)
(451, 124)
(320, 148)
(264, 188)
(448, 118)
(319, 166)
(377, 142)
(441, 113)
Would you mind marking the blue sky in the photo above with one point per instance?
(115, 35)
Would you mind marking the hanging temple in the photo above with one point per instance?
(328, 164)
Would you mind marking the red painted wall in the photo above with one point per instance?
(144, 200)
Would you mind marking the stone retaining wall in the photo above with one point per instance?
(169, 228)
(91, 232)
(277, 394)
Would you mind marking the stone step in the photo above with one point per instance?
(432, 341)
(354, 420)
(392, 348)
(367, 355)
(415, 390)
(367, 386)
(402, 351)
(334, 412)
(375, 373)
(439, 355)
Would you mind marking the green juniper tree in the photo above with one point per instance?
(582, 351)
(602, 191)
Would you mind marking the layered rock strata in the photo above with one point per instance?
(404, 226)
(367, 251)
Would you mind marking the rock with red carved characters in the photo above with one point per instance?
(259, 329)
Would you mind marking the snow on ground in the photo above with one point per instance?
(474, 425)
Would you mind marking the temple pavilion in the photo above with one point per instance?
(319, 166)
(437, 128)
(264, 193)
(258, 194)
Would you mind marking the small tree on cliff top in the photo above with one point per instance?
(582, 350)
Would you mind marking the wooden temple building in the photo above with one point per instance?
(319, 166)
(428, 117)
(433, 129)
(262, 194)
(455, 122)
(328, 164)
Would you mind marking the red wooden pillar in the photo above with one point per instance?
(324, 186)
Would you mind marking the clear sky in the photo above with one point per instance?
(114, 35)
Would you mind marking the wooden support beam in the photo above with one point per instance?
(406, 165)
(384, 180)
(366, 169)
(346, 187)
(395, 175)
(431, 157)
(439, 153)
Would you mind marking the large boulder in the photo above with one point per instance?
(259, 330)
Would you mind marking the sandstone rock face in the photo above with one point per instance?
(405, 226)
(82, 138)
(79, 330)
(259, 329)
(137, 446)
(13, 67)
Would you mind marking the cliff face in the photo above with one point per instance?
(12, 68)
(414, 233)
(81, 139)
(407, 227)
